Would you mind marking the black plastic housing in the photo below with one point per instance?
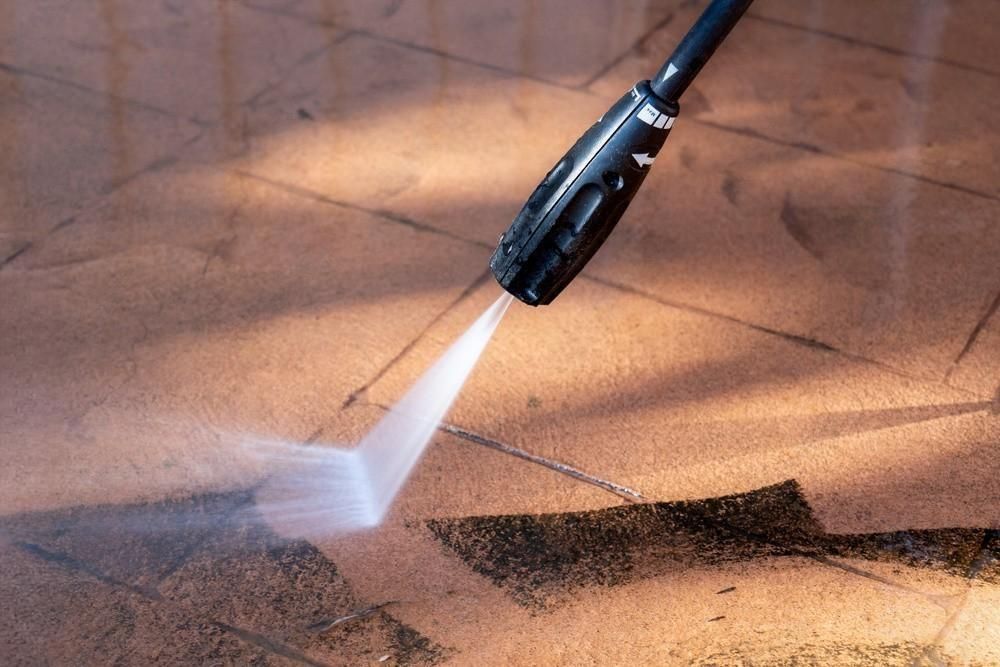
(572, 211)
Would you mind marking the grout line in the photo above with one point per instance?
(363, 389)
(68, 83)
(364, 32)
(17, 253)
(802, 552)
(252, 101)
(377, 212)
(617, 60)
(991, 310)
(855, 41)
(975, 567)
(857, 571)
(271, 646)
(817, 150)
(624, 492)
(67, 562)
(790, 337)
(499, 69)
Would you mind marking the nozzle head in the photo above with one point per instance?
(574, 209)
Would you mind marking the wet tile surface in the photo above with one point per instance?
(760, 429)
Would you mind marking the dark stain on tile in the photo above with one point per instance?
(731, 190)
(798, 230)
(854, 242)
(540, 558)
(688, 157)
(695, 102)
(212, 561)
(832, 653)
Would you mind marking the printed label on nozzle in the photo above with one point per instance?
(650, 116)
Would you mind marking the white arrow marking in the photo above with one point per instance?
(671, 70)
(643, 159)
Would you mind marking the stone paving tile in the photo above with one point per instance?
(435, 141)
(516, 37)
(197, 332)
(197, 60)
(961, 29)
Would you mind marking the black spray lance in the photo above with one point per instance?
(572, 211)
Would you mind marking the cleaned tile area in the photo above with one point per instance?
(762, 427)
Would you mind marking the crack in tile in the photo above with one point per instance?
(380, 213)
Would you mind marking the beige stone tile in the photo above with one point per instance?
(680, 405)
(563, 41)
(198, 60)
(145, 340)
(444, 143)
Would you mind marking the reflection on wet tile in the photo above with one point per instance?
(567, 42)
(63, 148)
(195, 60)
(965, 35)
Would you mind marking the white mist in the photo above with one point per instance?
(320, 490)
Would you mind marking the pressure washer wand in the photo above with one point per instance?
(574, 209)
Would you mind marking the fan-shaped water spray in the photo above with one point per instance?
(318, 490)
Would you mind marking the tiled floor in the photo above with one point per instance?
(762, 427)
